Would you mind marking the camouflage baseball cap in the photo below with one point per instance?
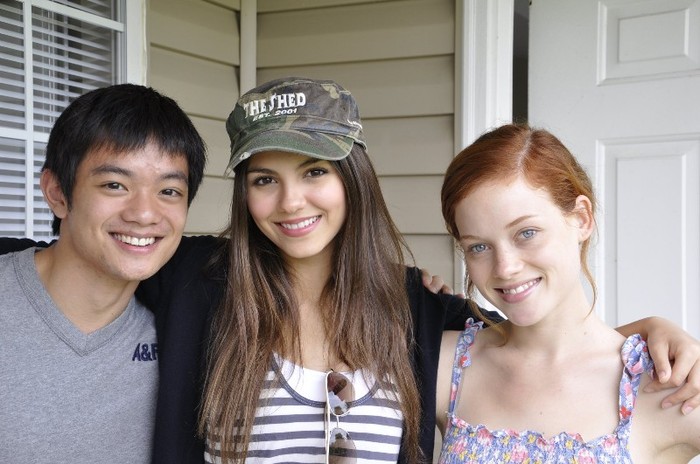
(317, 118)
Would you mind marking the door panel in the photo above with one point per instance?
(650, 223)
(618, 81)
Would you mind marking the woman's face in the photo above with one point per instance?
(522, 252)
(298, 202)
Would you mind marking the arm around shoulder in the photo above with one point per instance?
(676, 356)
(193, 259)
(9, 245)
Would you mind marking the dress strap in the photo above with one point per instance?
(636, 359)
(462, 358)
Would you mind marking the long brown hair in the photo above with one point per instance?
(516, 150)
(369, 323)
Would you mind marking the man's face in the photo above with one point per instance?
(127, 215)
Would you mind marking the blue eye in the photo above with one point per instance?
(528, 233)
(478, 248)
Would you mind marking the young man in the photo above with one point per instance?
(79, 371)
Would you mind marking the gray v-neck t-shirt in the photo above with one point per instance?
(68, 396)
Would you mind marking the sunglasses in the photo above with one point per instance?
(340, 449)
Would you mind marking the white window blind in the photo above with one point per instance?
(50, 53)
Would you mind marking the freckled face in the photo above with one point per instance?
(128, 213)
(521, 250)
(298, 202)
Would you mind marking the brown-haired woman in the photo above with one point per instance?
(316, 296)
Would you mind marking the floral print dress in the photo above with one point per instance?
(476, 444)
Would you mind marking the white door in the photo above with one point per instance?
(619, 82)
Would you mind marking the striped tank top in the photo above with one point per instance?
(289, 421)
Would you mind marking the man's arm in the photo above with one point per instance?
(8, 245)
(676, 358)
(193, 260)
(458, 310)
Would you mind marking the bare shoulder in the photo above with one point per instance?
(448, 349)
(450, 338)
(444, 378)
(680, 439)
(447, 354)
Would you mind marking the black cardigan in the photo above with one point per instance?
(183, 294)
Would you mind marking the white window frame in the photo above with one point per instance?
(134, 65)
(136, 44)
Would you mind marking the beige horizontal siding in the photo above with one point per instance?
(355, 33)
(433, 253)
(398, 88)
(196, 28)
(410, 146)
(209, 213)
(266, 6)
(234, 5)
(201, 87)
(414, 203)
(218, 148)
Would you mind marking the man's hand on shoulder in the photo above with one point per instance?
(436, 284)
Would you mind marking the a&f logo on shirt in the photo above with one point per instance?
(145, 352)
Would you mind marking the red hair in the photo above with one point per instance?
(511, 151)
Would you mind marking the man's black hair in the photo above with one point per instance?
(121, 118)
